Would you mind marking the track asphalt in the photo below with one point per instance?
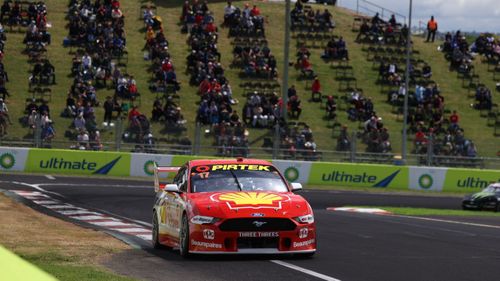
(351, 246)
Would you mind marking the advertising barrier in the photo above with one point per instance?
(312, 173)
(78, 162)
(294, 171)
(427, 178)
(141, 164)
(359, 175)
(468, 180)
(13, 159)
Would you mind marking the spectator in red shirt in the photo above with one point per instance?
(255, 11)
(316, 90)
(204, 86)
(306, 67)
(134, 112)
(210, 27)
(420, 137)
(115, 4)
(454, 119)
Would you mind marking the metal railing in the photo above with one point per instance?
(368, 8)
(350, 156)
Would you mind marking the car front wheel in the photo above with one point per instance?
(184, 237)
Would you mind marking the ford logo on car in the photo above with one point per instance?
(257, 215)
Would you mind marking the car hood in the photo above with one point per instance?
(481, 195)
(248, 204)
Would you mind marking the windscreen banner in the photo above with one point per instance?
(78, 162)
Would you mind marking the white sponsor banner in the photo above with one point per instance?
(294, 171)
(141, 164)
(13, 159)
(427, 178)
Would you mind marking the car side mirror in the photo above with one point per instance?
(171, 188)
(296, 186)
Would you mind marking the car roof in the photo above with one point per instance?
(228, 161)
(496, 185)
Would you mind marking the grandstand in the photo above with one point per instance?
(358, 69)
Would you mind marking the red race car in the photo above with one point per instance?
(231, 206)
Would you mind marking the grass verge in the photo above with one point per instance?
(62, 249)
(431, 212)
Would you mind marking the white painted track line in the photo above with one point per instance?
(81, 212)
(305, 271)
(46, 202)
(145, 237)
(133, 229)
(50, 177)
(60, 206)
(112, 223)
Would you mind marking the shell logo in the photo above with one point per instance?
(254, 200)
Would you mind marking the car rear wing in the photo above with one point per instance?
(162, 169)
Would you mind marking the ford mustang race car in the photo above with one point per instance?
(488, 198)
(231, 206)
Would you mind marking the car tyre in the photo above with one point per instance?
(156, 231)
(497, 207)
(184, 237)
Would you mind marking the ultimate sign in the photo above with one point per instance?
(231, 206)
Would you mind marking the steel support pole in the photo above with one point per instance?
(286, 59)
(407, 84)
(284, 87)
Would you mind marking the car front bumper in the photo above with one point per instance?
(208, 239)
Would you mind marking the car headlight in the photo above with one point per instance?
(305, 219)
(204, 220)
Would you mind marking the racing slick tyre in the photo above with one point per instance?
(184, 237)
(497, 207)
(155, 239)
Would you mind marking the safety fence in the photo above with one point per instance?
(352, 155)
(122, 164)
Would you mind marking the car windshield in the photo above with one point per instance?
(492, 189)
(209, 178)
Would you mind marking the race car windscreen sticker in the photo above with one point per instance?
(236, 177)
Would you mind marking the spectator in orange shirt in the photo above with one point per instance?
(432, 27)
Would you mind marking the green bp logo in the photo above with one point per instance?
(149, 167)
(425, 181)
(291, 174)
(7, 161)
